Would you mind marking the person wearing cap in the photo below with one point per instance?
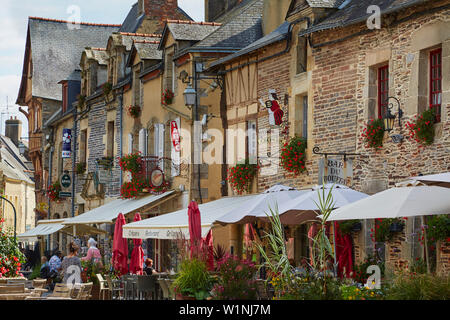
(93, 252)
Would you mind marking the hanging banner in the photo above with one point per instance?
(66, 143)
(175, 135)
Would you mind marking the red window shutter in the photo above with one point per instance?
(383, 90)
(436, 82)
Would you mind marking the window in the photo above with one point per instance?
(383, 90)
(301, 116)
(302, 53)
(436, 82)
(252, 147)
(110, 141)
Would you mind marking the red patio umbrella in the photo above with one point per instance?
(120, 247)
(195, 228)
(137, 255)
(208, 247)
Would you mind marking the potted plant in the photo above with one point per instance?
(293, 155)
(134, 111)
(241, 176)
(349, 226)
(53, 191)
(89, 274)
(193, 282)
(421, 129)
(11, 258)
(167, 97)
(236, 280)
(81, 167)
(373, 134)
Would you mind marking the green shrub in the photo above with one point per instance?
(420, 287)
(36, 272)
(193, 280)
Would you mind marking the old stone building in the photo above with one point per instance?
(324, 65)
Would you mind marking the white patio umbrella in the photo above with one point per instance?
(304, 207)
(440, 179)
(258, 205)
(397, 202)
(406, 201)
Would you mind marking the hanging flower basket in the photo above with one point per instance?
(105, 162)
(132, 189)
(422, 128)
(53, 191)
(167, 97)
(132, 162)
(241, 176)
(134, 111)
(438, 229)
(385, 229)
(293, 155)
(349, 226)
(81, 167)
(373, 134)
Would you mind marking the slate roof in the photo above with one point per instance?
(148, 50)
(278, 34)
(186, 30)
(356, 11)
(325, 3)
(127, 39)
(12, 163)
(97, 54)
(240, 27)
(56, 52)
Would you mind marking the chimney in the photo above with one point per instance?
(160, 9)
(13, 129)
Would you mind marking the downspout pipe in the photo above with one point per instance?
(74, 158)
(49, 182)
(196, 119)
(121, 131)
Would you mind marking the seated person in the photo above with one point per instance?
(45, 268)
(149, 267)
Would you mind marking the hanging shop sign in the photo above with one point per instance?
(66, 181)
(335, 171)
(273, 107)
(157, 178)
(175, 134)
(66, 143)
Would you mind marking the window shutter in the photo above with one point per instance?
(143, 141)
(252, 143)
(305, 118)
(161, 145)
(130, 143)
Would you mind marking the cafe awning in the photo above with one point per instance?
(172, 225)
(44, 228)
(47, 227)
(109, 212)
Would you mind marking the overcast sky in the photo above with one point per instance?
(13, 26)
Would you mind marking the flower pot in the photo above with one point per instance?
(181, 297)
(396, 227)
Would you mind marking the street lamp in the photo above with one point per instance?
(389, 118)
(190, 96)
(15, 214)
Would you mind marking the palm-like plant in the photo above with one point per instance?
(276, 257)
(321, 249)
